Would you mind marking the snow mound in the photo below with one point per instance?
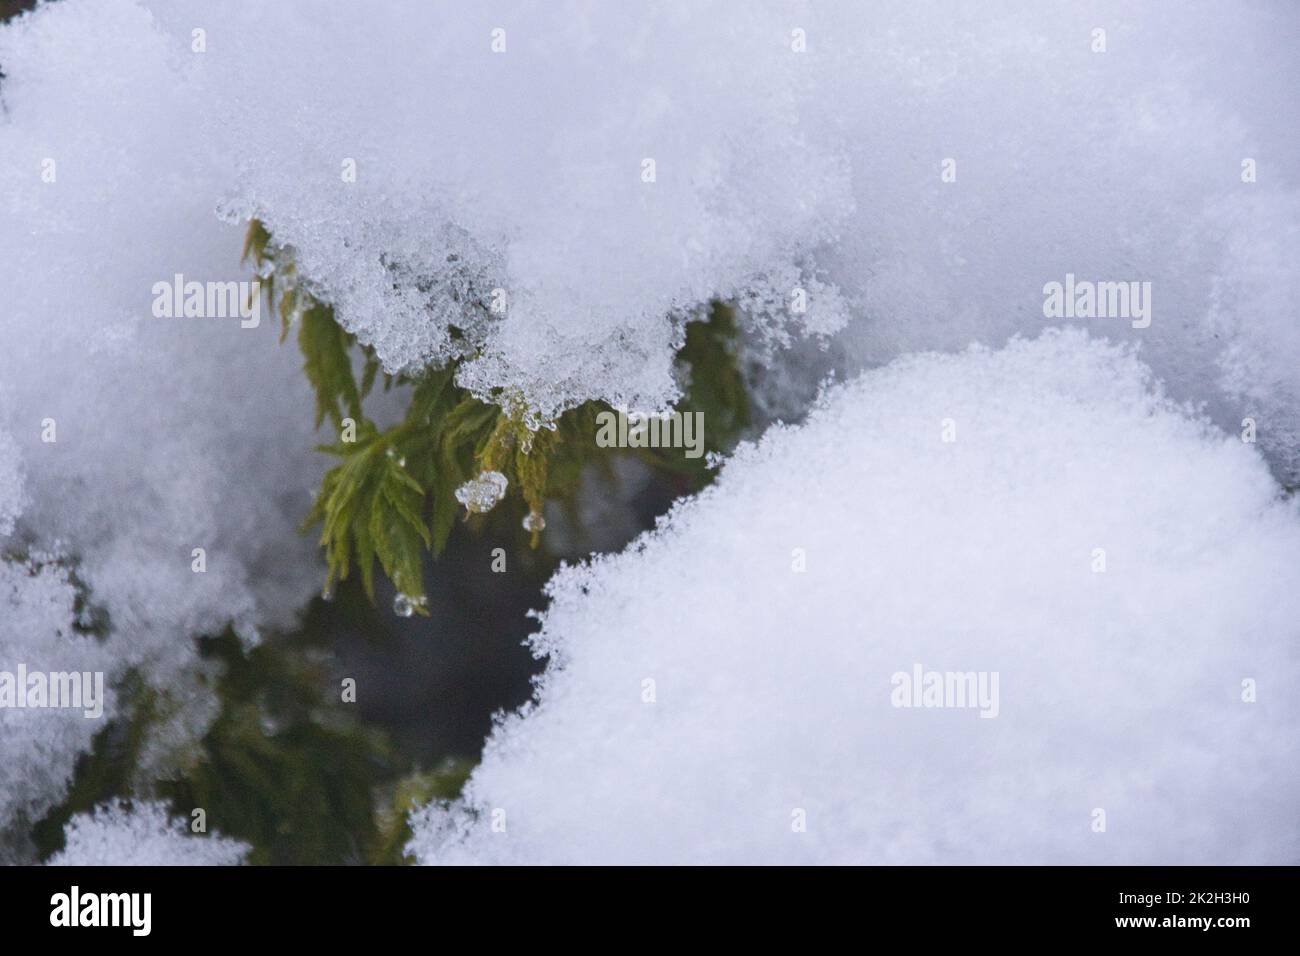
(142, 834)
(1041, 516)
(141, 438)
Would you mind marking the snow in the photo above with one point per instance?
(12, 496)
(1115, 166)
(1119, 690)
(169, 435)
(507, 194)
(142, 834)
(39, 747)
(775, 171)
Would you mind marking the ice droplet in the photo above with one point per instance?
(533, 521)
(327, 593)
(404, 605)
(481, 494)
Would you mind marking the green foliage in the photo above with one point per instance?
(108, 770)
(328, 364)
(257, 243)
(391, 498)
(716, 385)
(371, 508)
(283, 766)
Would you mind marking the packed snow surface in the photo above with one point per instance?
(725, 690)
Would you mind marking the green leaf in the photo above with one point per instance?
(328, 365)
(257, 243)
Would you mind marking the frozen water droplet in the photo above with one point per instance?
(327, 593)
(401, 462)
(404, 605)
(481, 494)
(390, 453)
(533, 521)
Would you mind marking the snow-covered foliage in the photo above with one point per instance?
(795, 146)
(731, 675)
(477, 186)
(142, 834)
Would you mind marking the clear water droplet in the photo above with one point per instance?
(327, 593)
(481, 494)
(404, 605)
(533, 521)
